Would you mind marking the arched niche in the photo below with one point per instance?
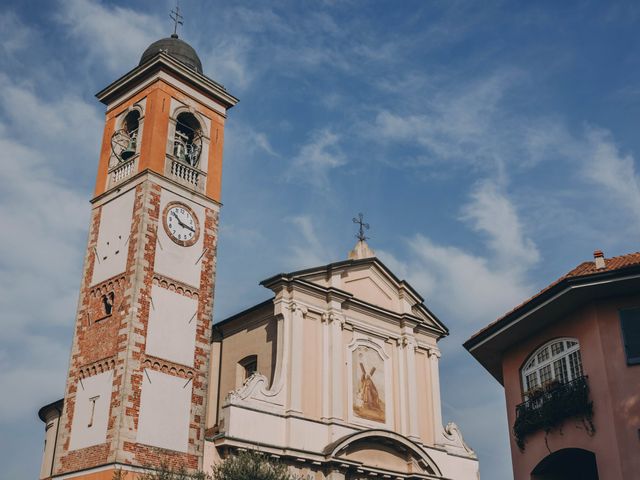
(379, 450)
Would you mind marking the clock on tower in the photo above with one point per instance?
(137, 384)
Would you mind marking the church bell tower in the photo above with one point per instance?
(136, 390)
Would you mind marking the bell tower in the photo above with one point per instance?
(136, 390)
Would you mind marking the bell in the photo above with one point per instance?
(130, 151)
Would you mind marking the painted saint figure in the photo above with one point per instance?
(368, 391)
(368, 398)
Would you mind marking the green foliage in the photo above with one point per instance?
(251, 466)
(166, 473)
(549, 408)
(241, 466)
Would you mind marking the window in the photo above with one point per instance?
(124, 142)
(245, 368)
(630, 325)
(557, 361)
(187, 142)
(107, 303)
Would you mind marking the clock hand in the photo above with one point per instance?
(182, 224)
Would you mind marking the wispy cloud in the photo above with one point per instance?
(473, 287)
(113, 36)
(613, 171)
(306, 249)
(317, 158)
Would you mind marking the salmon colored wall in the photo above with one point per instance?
(613, 386)
(257, 338)
(623, 382)
(312, 367)
(154, 137)
(425, 410)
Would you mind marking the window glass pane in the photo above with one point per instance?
(571, 344)
(545, 374)
(575, 364)
(630, 324)
(532, 381)
(543, 355)
(560, 370)
(556, 348)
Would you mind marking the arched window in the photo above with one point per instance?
(124, 141)
(245, 368)
(557, 361)
(187, 142)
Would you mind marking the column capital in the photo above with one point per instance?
(298, 308)
(434, 352)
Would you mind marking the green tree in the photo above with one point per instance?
(251, 465)
(246, 465)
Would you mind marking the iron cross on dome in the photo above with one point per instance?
(177, 19)
(363, 226)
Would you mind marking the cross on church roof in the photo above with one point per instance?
(177, 19)
(363, 226)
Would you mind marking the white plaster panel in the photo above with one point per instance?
(113, 236)
(173, 260)
(172, 326)
(453, 466)
(254, 426)
(165, 410)
(91, 411)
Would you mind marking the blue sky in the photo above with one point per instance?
(491, 145)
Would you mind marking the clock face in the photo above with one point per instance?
(181, 224)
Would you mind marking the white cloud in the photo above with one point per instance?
(228, 61)
(318, 157)
(461, 122)
(307, 250)
(114, 37)
(493, 214)
(15, 34)
(613, 171)
(474, 288)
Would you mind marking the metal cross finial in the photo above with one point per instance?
(363, 226)
(177, 19)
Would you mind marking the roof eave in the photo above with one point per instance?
(485, 345)
(163, 60)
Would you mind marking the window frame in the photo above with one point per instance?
(533, 364)
(631, 360)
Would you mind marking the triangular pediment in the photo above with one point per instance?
(369, 282)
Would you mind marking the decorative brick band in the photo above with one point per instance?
(166, 366)
(175, 286)
(98, 367)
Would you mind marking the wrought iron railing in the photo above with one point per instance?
(549, 407)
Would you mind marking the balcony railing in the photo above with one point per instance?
(185, 174)
(549, 407)
(123, 170)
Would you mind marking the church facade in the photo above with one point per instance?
(336, 375)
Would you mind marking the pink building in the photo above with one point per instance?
(569, 361)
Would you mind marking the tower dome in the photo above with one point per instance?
(178, 49)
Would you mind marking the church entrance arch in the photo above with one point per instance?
(567, 463)
(382, 452)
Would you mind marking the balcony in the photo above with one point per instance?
(123, 170)
(184, 173)
(548, 408)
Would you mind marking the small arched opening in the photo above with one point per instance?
(187, 142)
(245, 369)
(567, 463)
(124, 142)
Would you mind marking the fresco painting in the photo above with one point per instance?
(368, 384)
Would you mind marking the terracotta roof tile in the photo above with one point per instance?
(582, 270)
